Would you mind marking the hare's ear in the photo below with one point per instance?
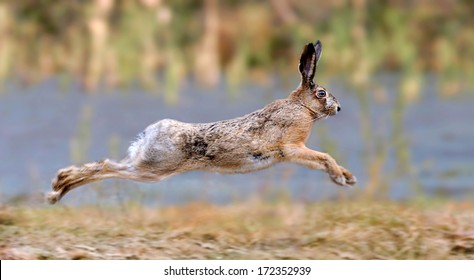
(309, 61)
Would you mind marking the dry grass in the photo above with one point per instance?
(254, 230)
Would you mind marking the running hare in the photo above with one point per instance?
(276, 133)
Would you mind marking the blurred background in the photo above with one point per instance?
(79, 79)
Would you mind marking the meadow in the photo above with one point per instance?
(353, 229)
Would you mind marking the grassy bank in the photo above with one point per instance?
(120, 43)
(254, 230)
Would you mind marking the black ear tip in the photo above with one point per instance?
(318, 43)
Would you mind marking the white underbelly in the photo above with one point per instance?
(251, 164)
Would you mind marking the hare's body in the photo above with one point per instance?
(252, 142)
(255, 141)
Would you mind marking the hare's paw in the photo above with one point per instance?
(338, 178)
(53, 197)
(350, 179)
(343, 177)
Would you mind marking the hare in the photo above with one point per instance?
(276, 133)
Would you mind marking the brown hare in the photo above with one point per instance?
(276, 133)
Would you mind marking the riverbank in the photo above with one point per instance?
(251, 230)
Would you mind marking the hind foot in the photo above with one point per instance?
(53, 197)
(64, 177)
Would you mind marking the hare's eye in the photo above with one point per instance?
(321, 93)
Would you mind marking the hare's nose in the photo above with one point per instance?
(338, 108)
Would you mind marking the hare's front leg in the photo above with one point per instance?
(317, 160)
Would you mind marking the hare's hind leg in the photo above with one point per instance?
(72, 177)
(317, 160)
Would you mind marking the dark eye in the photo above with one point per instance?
(321, 93)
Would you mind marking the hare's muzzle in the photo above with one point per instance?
(332, 105)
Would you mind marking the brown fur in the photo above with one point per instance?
(275, 133)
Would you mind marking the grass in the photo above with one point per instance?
(123, 43)
(251, 230)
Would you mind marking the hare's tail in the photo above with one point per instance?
(72, 177)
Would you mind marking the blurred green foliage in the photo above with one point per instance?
(116, 42)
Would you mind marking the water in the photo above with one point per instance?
(39, 125)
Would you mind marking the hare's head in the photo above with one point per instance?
(314, 96)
